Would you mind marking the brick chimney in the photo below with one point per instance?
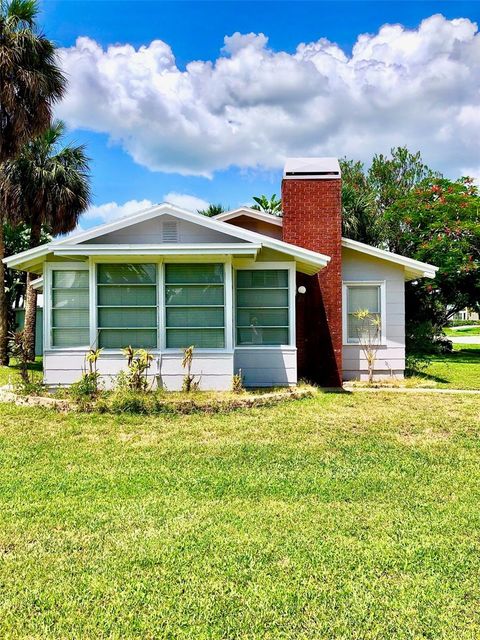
(312, 218)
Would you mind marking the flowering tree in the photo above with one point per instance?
(369, 334)
(439, 222)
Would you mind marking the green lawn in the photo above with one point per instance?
(458, 370)
(344, 516)
(458, 333)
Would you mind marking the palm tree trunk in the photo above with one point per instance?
(29, 327)
(4, 359)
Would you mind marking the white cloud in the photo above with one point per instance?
(185, 201)
(253, 106)
(112, 211)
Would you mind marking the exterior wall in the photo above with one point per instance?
(357, 267)
(312, 219)
(151, 232)
(267, 367)
(214, 370)
(19, 320)
(259, 226)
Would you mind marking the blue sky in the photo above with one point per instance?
(218, 130)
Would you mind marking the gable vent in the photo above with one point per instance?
(169, 232)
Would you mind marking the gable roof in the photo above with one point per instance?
(308, 261)
(413, 268)
(251, 213)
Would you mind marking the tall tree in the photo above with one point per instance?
(361, 219)
(48, 187)
(212, 210)
(31, 82)
(272, 205)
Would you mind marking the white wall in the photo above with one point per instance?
(267, 367)
(358, 267)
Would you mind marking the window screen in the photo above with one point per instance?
(127, 305)
(359, 298)
(70, 309)
(194, 305)
(262, 307)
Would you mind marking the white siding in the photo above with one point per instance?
(391, 357)
(267, 367)
(151, 232)
(215, 370)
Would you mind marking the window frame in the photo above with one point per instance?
(346, 285)
(265, 266)
(227, 305)
(50, 267)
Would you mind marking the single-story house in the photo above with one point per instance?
(271, 296)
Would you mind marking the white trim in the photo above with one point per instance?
(140, 250)
(250, 213)
(383, 309)
(228, 304)
(413, 268)
(37, 284)
(284, 266)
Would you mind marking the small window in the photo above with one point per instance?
(194, 306)
(362, 297)
(70, 309)
(262, 307)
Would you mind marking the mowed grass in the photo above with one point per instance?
(458, 333)
(457, 370)
(343, 516)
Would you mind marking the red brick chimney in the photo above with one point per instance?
(312, 218)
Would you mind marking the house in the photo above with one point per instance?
(273, 297)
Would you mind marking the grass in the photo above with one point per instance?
(458, 333)
(342, 516)
(9, 375)
(458, 370)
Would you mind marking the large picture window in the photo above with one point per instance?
(262, 307)
(69, 318)
(361, 297)
(127, 305)
(194, 305)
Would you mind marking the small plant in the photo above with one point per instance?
(27, 385)
(138, 364)
(237, 382)
(369, 334)
(87, 387)
(189, 382)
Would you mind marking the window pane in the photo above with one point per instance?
(140, 339)
(70, 298)
(262, 317)
(127, 273)
(70, 279)
(195, 317)
(363, 297)
(261, 336)
(365, 329)
(127, 317)
(266, 278)
(70, 318)
(262, 298)
(185, 273)
(70, 337)
(194, 295)
(201, 338)
(120, 295)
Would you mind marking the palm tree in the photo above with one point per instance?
(212, 210)
(48, 188)
(272, 205)
(30, 84)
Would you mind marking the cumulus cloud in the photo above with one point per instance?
(111, 211)
(185, 201)
(254, 106)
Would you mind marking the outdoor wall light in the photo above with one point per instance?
(301, 289)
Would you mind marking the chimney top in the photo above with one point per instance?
(311, 169)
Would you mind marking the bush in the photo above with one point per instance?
(86, 387)
(426, 338)
(462, 323)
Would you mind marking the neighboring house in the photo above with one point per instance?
(273, 297)
(467, 315)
